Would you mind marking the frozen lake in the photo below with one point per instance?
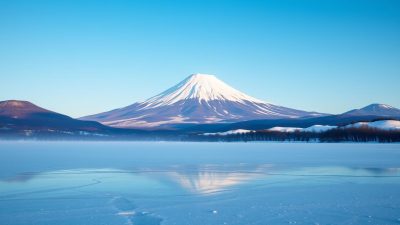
(198, 183)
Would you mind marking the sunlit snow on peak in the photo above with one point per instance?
(203, 87)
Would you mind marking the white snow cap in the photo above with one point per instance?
(203, 87)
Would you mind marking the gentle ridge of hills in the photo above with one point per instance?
(374, 109)
(23, 115)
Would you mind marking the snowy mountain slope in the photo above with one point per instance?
(199, 99)
(201, 87)
(314, 128)
(381, 124)
(285, 129)
(319, 128)
(230, 132)
(374, 109)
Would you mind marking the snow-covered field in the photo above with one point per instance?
(199, 183)
(230, 132)
(381, 124)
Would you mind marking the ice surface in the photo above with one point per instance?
(199, 183)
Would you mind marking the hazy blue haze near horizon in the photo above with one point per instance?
(85, 57)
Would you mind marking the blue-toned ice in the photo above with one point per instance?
(198, 183)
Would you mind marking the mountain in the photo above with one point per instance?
(198, 99)
(376, 110)
(22, 119)
(369, 113)
(22, 116)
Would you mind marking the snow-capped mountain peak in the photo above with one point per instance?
(203, 88)
(377, 106)
(198, 99)
(375, 109)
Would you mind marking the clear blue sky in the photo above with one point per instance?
(84, 57)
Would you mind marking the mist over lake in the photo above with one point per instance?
(198, 183)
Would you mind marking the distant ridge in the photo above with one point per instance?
(19, 109)
(374, 109)
(22, 119)
(23, 115)
(198, 99)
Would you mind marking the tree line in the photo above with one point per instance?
(361, 134)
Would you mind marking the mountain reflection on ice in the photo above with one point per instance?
(210, 182)
(211, 179)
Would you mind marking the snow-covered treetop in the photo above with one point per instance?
(202, 87)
